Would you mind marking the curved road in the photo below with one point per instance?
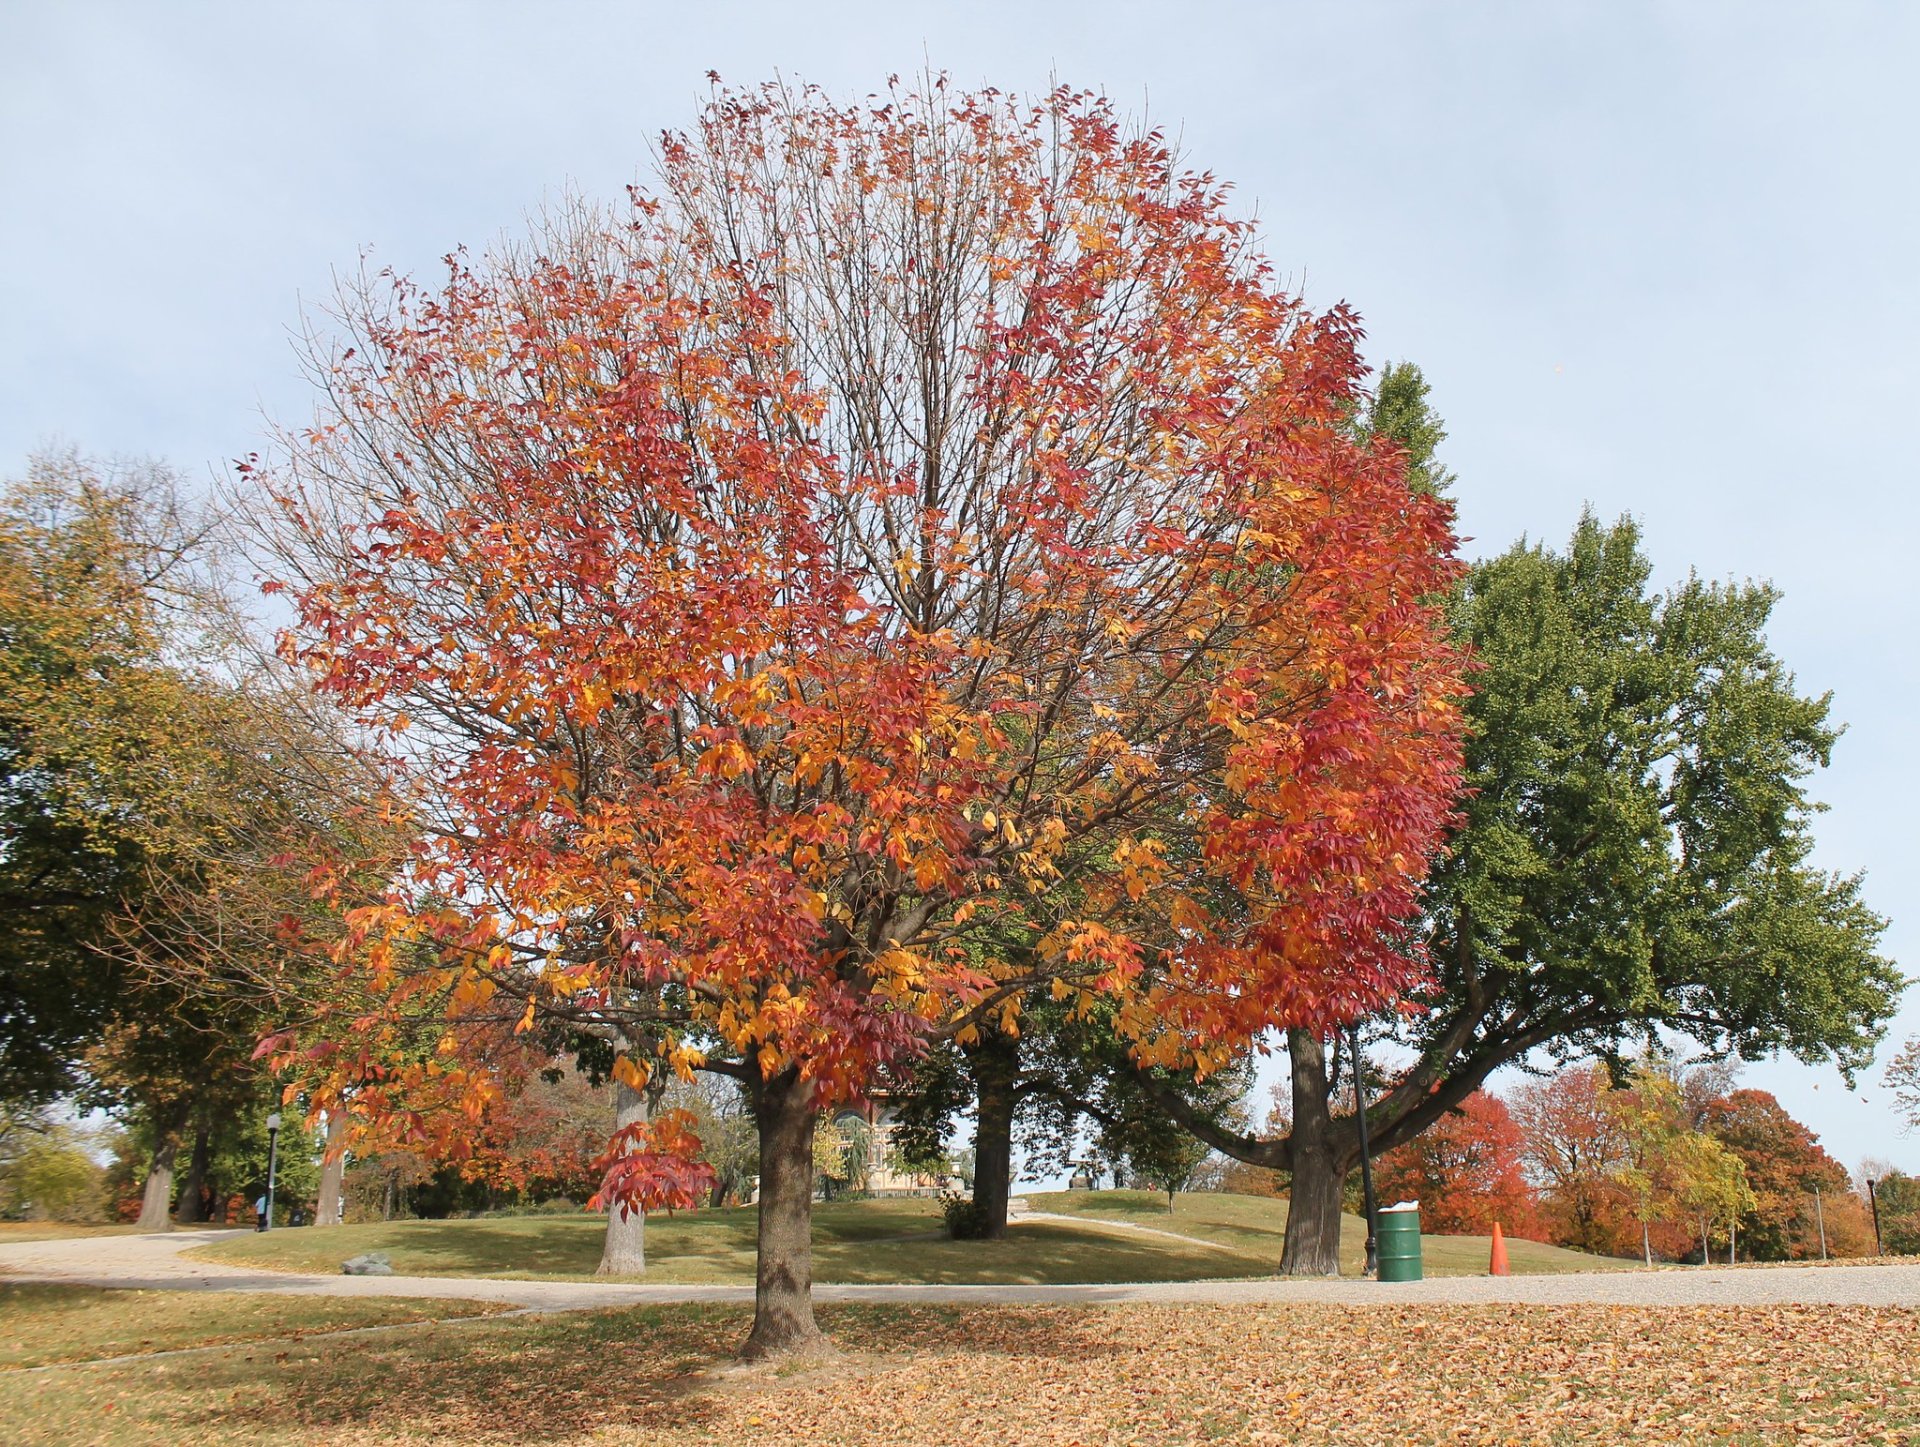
(157, 1262)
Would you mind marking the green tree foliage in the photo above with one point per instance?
(96, 729)
(48, 1171)
(1634, 854)
(1400, 412)
(156, 772)
(1898, 1195)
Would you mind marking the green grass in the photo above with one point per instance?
(42, 1323)
(872, 1241)
(854, 1241)
(57, 1231)
(1256, 1226)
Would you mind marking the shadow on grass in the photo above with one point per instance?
(639, 1373)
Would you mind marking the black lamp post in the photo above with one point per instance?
(1874, 1201)
(273, 1160)
(1366, 1154)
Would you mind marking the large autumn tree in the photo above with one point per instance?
(912, 524)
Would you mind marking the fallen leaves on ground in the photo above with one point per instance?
(1059, 1377)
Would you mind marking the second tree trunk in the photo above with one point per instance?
(625, 1251)
(783, 1273)
(995, 1062)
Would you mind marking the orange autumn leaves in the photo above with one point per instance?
(908, 530)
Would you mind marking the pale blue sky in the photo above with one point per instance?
(1656, 257)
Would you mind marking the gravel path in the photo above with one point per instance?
(156, 1262)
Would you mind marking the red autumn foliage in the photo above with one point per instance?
(1785, 1165)
(1466, 1171)
(768, 598)
(653, 1165)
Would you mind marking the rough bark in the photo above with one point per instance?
(995, 1062)
(333, 1171)
(625, 1250)
(191, 1204)
(157, 1200)
(783, 1280)
(1319, 1171)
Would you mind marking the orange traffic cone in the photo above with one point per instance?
(1498, 1266)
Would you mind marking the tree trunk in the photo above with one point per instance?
(996, 1072)
(157, 1201)
(1319, 1175)
(1646, 1245)
(783, 1275)
(1706, 1251)
(625, 1251)
(333, 1171)
(191, 1206)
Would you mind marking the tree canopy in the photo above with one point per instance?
(904, 510)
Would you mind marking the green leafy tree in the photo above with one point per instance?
(1634, 853)
(1898, 1196)
(97, 721)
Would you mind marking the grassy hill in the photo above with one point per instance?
(1256, 1226)
(868, 1241)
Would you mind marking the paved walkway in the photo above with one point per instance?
(157, 1262)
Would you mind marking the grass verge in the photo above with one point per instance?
(42, 1324)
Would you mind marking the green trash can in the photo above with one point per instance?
(1399, 1242)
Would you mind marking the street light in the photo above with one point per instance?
(1874, 1201)
(1366, 1156)
(273, 1160)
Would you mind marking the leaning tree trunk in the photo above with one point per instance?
(190, 1210)
(157, 1200)
(625, 1251)
(783, 1277)
(333, 1170)
(996, 1072)
(1319, 1172)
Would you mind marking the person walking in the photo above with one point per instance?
(260, 1212)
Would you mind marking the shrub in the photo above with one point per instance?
(966, 1220)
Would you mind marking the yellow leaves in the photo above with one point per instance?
(1141, 864)
(684, 1060)
(594, 698)
(930, 871)
(631, 1073)
(726, 760)
(1187, 914)
(473, 991)
(899, 974)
